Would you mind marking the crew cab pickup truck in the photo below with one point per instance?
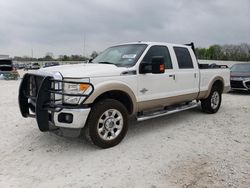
(142, 79)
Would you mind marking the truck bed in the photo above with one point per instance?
(207, 75)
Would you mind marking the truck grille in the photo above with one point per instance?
(237, 84)
(34, 84)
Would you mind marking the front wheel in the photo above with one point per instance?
(212, 103)
(107, 123)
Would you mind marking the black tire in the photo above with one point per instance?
(96, 115)
(208, 105)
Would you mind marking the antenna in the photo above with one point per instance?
(32, 53)
(84, 44)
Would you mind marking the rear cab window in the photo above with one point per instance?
(183, 58)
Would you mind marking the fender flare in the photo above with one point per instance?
(217, 78)
(112, 86)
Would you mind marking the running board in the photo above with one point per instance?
(167, 112)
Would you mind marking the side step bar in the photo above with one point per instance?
(167, 112)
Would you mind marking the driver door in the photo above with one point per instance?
(152, 88)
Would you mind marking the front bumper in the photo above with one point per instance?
(78, 121)
(41, 97)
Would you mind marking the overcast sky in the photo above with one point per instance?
(58, 26)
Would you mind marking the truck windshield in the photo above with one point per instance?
(122, 56)
(241, 68)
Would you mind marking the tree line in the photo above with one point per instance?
(228, 52)
(225, 52)
(50, 57)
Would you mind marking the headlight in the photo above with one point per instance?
(72, 90)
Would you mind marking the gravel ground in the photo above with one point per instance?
(188, 149)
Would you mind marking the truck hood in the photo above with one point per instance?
(84, 70)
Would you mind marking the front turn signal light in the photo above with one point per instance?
(83, 87)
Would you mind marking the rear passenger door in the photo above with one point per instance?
(187, 74)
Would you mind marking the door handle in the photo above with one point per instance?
(172, 76)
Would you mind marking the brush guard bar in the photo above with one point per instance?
(39, 98)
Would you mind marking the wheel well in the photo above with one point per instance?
(120, 96)
(219, 84)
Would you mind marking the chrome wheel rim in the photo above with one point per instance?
(215, 100)
(110, 124)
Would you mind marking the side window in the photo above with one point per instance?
(159, 51)
(183, 57)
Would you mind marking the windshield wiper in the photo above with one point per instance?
(106, 62)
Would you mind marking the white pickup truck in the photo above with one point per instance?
(142, 79)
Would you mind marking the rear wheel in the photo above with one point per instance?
(212, 103)
(107, 123)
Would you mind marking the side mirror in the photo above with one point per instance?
(145, 68)
(158, 66)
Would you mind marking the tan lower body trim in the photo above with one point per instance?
(205, 94)
(160, 103)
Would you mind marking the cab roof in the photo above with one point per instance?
(155, 43)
